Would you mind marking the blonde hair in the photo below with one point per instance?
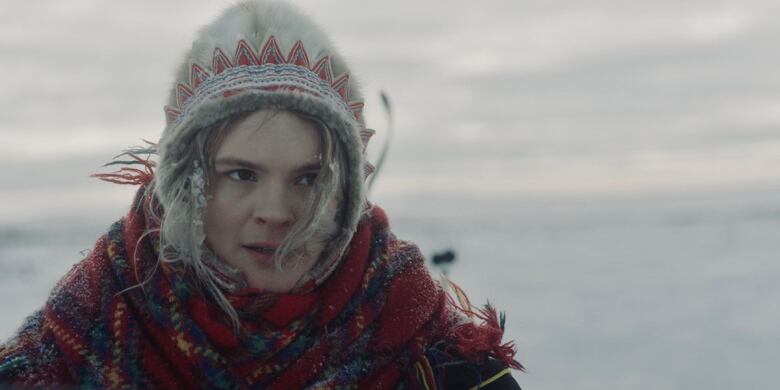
(184, 193)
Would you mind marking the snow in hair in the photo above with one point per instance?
(204, 110)
(184, 197)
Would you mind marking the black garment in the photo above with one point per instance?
(490, 375)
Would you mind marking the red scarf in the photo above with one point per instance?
(372, 322)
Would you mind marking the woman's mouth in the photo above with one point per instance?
(262, 249)
(262, 254)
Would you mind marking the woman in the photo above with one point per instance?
(250, 257)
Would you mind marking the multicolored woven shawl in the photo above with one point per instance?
(121, 319)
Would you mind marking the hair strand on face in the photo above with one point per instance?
(182, 237)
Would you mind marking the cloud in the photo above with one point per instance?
(533, 81)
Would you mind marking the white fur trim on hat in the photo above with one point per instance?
(266, 54)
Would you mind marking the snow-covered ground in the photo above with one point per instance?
(647, 293)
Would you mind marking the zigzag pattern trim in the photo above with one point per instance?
(268, 70)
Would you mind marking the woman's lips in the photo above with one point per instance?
(264, 257)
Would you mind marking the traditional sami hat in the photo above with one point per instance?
(266, 54)
(271, 52)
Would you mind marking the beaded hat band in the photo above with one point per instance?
(267, 71)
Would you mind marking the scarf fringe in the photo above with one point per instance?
(472, 340)
(128, 175)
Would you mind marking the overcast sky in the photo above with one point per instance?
(509, 98)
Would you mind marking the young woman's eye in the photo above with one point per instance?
(241, 175)
(307, 179)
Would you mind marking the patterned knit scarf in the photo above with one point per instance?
(121, 319)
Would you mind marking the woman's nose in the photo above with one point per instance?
(274, 206)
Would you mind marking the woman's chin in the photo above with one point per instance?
(269, 283)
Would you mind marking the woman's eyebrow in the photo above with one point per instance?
(237, 161)
(309, 167)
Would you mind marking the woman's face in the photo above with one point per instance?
(264, 170)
